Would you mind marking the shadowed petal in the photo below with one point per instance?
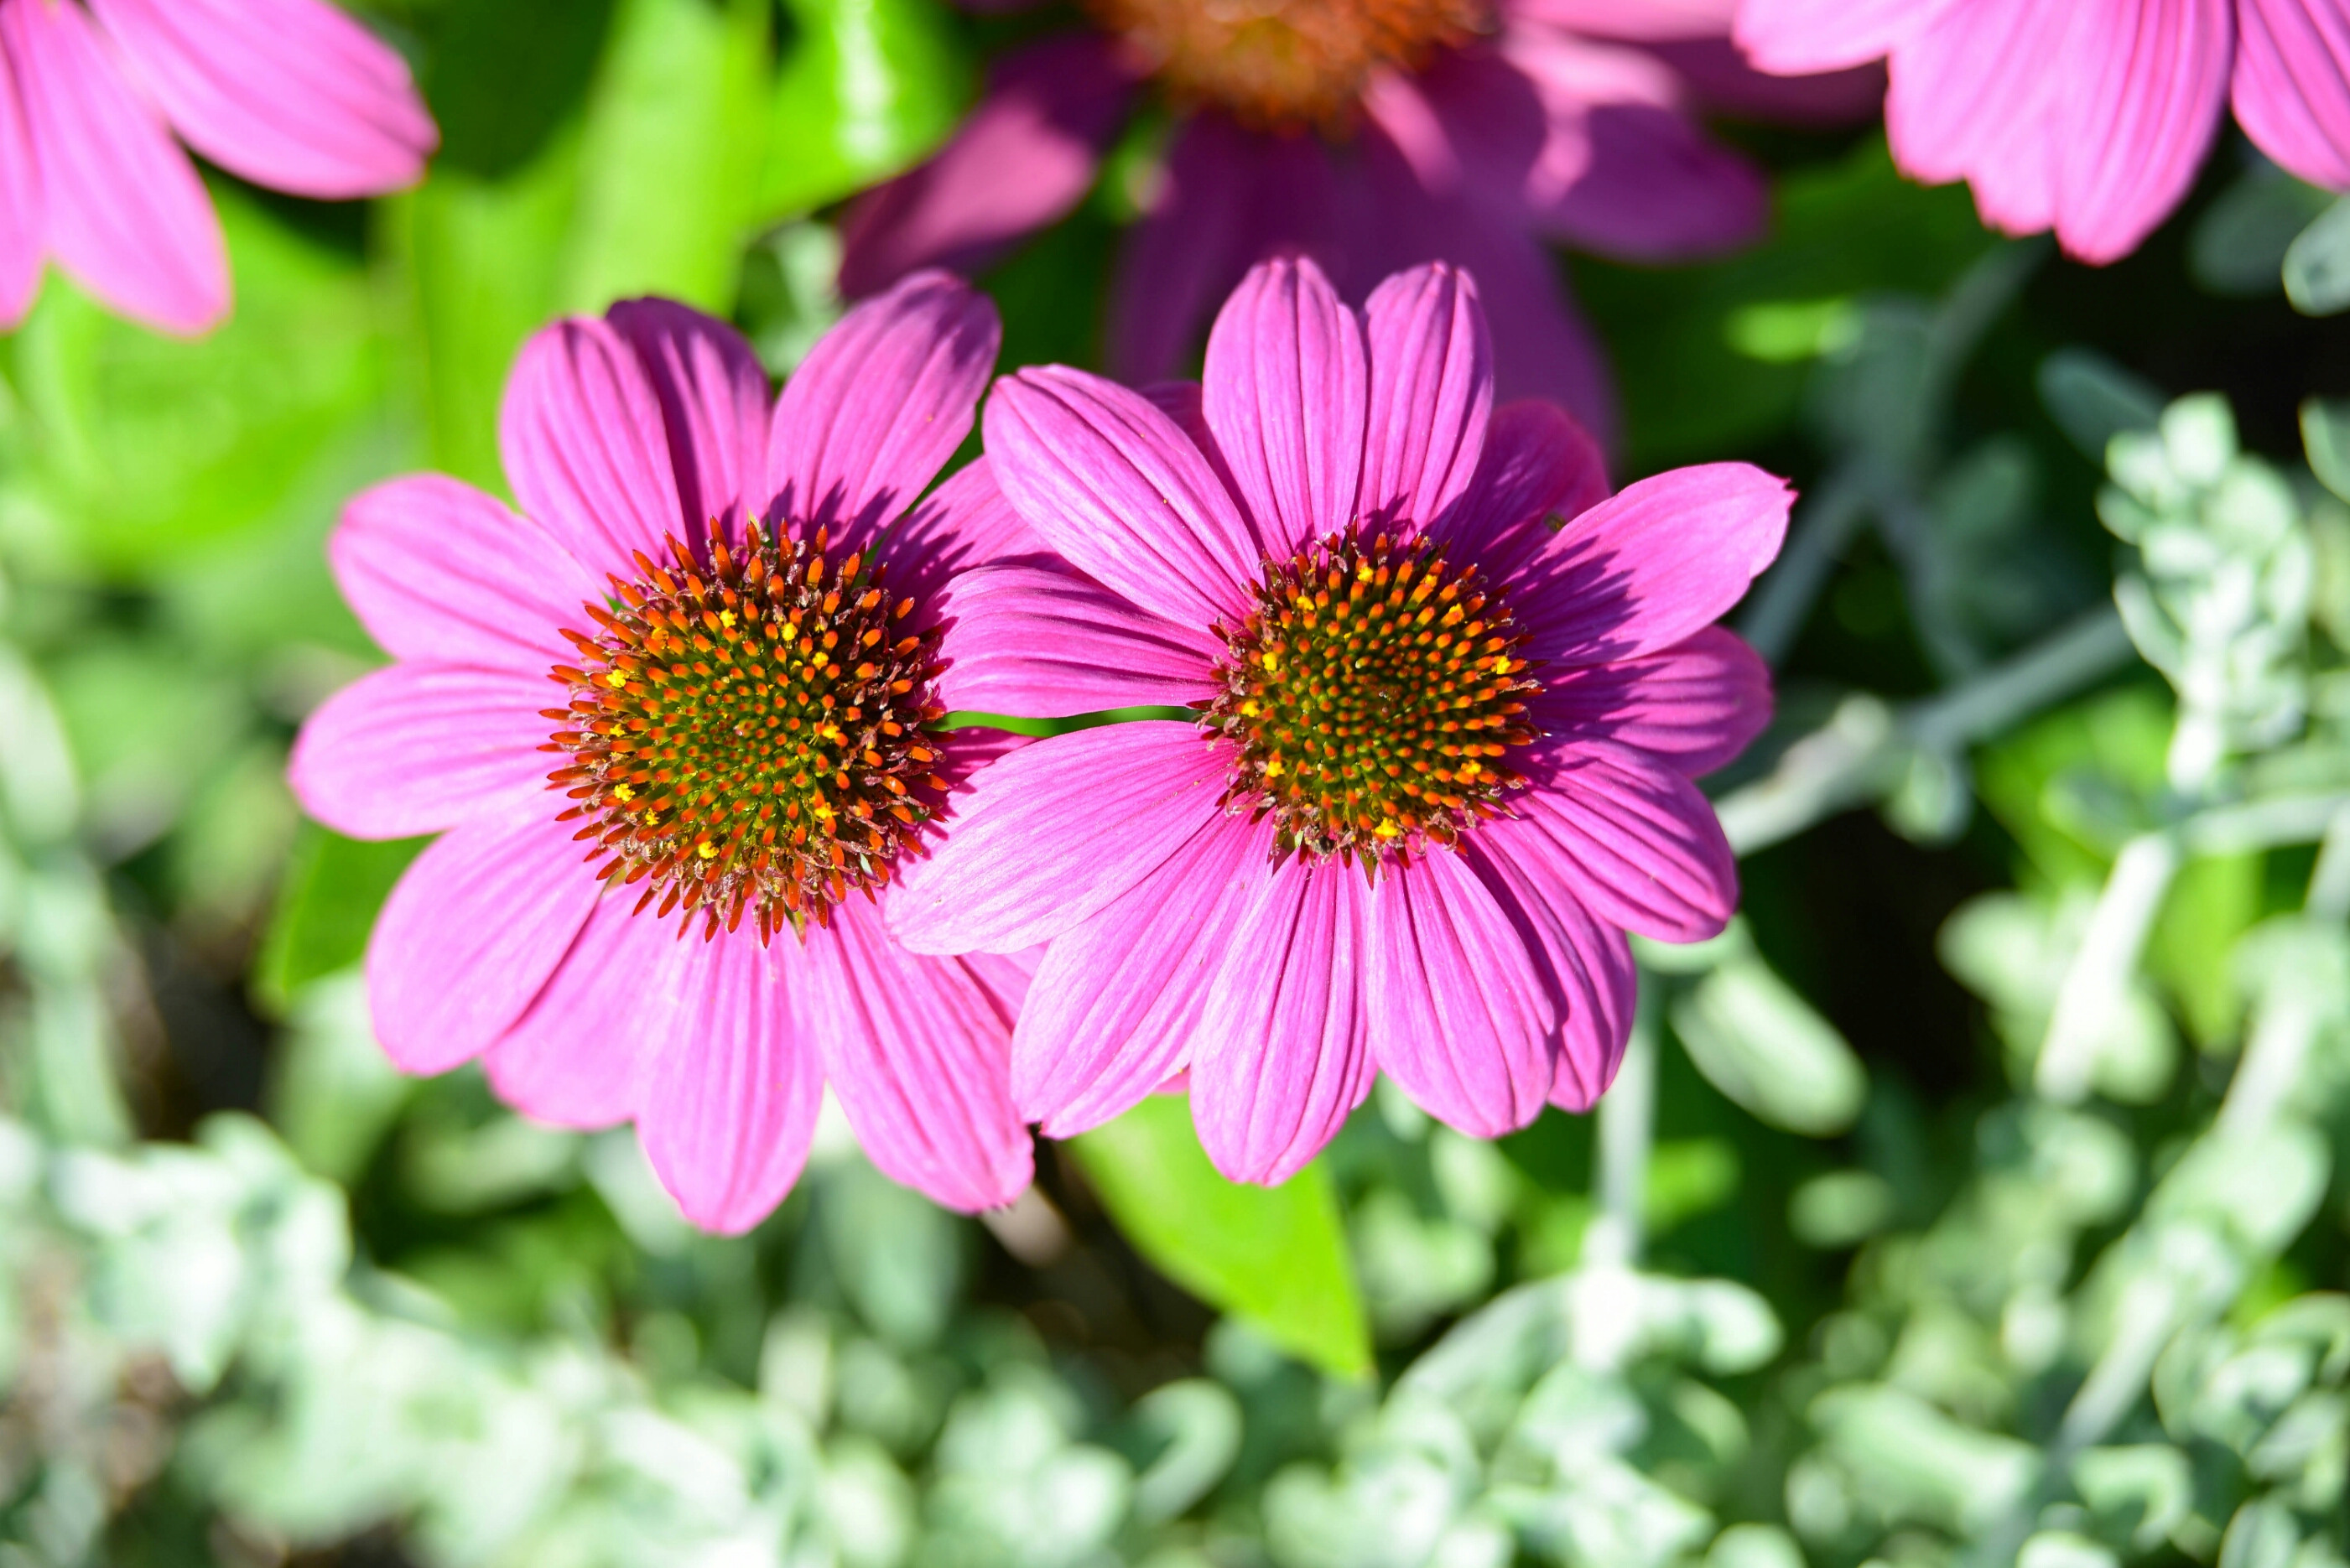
(1114, 487)
(713, 401)
(878, 406)
(1698, 703)
(585, 449)
(290, 94)
(1282, 1054)
(1649, 566)
(468, 935)
(1054, 831)
(1586, 965)
(418, 748)
(918, 1049)
(1117, 1000)
(1044, 644)
(1021, 160)
(1459, 1016)
(1624, 834)
(730, 1079)
(435, 569)
(2292, 85)
(124, 211)
(573, 1059)
(1431, 392)
(2143, 86)
(964, 523)
(1798, 38)
(22, 208)
(1284, 393)
(1537, 465)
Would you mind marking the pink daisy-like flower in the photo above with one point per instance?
(1442, 752)
(685, 928)
(290, 94)
(2089, 117)
(1371, 134)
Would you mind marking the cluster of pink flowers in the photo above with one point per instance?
(704, 851)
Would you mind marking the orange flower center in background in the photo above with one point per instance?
(1285, 65)
(1373, 692)
(745, 737)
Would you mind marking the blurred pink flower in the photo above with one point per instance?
(739, 737)
(2090, 117)
(1443, 755)
(290, 94)
(1371, 134)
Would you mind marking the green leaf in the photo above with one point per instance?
(1273, 1257)
(866, 88)
(2317, 264)
(325, 908)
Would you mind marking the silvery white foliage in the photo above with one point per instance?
(2013, 949)
(2220, 601)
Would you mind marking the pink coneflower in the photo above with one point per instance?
(290, 94)
(1442, 756)
(1371, 134)
(687, 931)
(2089, 117)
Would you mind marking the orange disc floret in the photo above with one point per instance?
(744, 736)
(1372, 694)
(1286, 65)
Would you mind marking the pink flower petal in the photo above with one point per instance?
(1798, 37)
(1044, 644)
(1432, 393)
(1697, 704)
(918, 1050)
(574, 1056)
(1114, 486)
(22, 208)
(1459, 1015)
(1020, 161)
(713, 401)
(964, 523)
(1624, 834)
(437, 570)
(2141, 104)
(418, 748)
(585, 448)
(1283, 1051)
(1286, 394)
(1537, 465)
(1647, 567)
(871, 415)
(1720, 81)
(125, 214)
(1054, 832)
(730, 1080)
(471, 932)
(1973, 97)
(1645, 20)
(290, 94)
(1586, 965)
(2292, 85)
(1117, 1000)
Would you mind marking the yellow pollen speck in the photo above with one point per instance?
(1466, 769)
(624, 791)
(652, 819)
(726, 620)
(825, 813)
(706, 849)
(1387, 828)
(615, 679)
(1501, 664)
(1271, 659)
(1273, 770)
(1250, 708)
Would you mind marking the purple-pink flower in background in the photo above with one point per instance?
(290, 94)
(2089, 117)
(1371, 134)
(736, 735)
(1442, 754)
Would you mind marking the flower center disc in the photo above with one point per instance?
(746, 736)
(1285, 65)
(1372, 692)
